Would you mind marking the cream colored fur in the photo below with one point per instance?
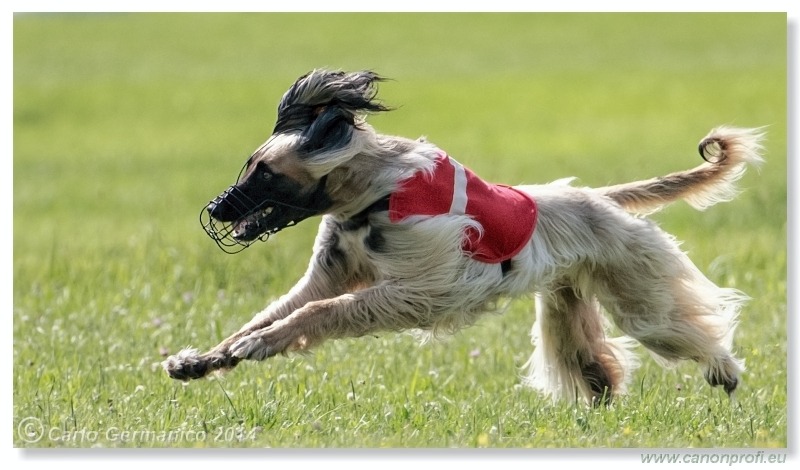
(591, 261)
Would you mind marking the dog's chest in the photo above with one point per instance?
(507, 216)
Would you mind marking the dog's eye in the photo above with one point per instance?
(263, 171)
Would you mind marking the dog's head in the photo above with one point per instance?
(320, 119)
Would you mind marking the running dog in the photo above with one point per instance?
(412, 239)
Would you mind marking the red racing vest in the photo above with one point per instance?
(507, 215)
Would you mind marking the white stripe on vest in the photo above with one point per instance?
(459, 204)
(507, 216)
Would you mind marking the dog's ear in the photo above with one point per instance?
(331, 129)
(330, 96)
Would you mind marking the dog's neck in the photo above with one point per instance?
(374, 173)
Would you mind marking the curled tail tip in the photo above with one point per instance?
(739, 145)
(727, 152)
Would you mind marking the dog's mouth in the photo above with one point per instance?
(234, 236)
(248, 211)
(249, 225)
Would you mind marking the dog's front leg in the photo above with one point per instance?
(190, 363)
(384, 307)
(329, 274)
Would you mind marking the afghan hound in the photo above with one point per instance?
(412, 239)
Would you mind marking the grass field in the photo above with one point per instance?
(125, 125)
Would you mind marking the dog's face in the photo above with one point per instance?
(285, 180)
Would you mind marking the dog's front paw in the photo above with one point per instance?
(190, 364)
(186, 365)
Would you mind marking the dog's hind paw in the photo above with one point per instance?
(724, 372)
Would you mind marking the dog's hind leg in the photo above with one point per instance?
(673, 310)
(572, 354)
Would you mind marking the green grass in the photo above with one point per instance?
(125, 125)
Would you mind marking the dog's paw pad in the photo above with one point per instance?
(186, 365)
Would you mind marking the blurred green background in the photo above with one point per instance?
(125, 125)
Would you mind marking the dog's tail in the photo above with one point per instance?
(726, 150)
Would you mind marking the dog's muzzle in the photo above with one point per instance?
(253, 220)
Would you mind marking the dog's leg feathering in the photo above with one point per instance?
(385, 307)
(573, 357)
(677, 313)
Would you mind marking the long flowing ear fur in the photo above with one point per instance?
(317, 91)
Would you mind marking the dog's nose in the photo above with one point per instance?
(221, 210)
(211, 206)
(227, 207)
(213, 209)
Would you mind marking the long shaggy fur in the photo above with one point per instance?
(592, 260)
